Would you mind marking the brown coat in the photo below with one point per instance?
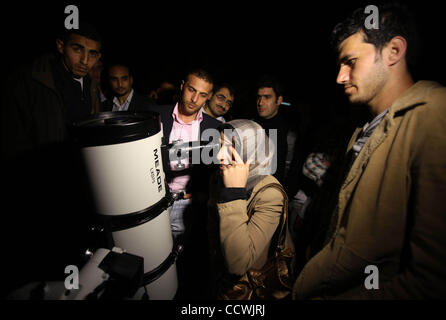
(391, 209)
(245, 245)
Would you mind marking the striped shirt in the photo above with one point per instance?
(367, 131)
(124, 107)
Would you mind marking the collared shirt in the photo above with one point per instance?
(186, 132)
(367, 131)
(221, 119)
(81, 81)
(124, 107)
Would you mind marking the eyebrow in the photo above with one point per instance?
(82, 47)
(199, 92)
(345, 58)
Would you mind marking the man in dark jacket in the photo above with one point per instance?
(124, 98)
(43, 100)
(269, 99)
(42, 188)
(187, 122)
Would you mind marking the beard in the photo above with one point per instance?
(371, 86)
(121, 92)
(189, 108)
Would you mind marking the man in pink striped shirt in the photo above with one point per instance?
(186, 121)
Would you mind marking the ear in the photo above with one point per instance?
(395, 50)
(60, 46)
(182, 85)
(279, 100)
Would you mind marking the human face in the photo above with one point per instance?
(267, 103)
(221, 102)
(362, 71)
(79, 54)
(195, 92)
(225, 156)
(120, 80)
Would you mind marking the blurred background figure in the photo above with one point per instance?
(95, 73)
(221, 101)
(165, 94)
(123, 96)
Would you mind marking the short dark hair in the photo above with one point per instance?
(395, 19)
(120, 64)
(86, 30)
(226, 85)
(202, 74)
(270, 81)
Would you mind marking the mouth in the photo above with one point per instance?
(82, 69)
(348, 89)
(223, 166)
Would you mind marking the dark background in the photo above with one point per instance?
(238, 41)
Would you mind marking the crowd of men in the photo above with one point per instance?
(381, 203)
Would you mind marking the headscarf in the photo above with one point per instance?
(252, 143)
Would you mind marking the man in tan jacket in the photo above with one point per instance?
(389, 238)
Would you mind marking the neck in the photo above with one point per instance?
(124, 97)
(209, 111)
(393, 89)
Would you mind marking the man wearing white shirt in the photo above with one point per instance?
(125, 98)
(220, 102)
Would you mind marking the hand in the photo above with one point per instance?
(236, 174)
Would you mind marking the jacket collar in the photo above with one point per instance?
(415, 96)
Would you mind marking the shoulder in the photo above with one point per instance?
(436, 98)
(271, 193)
(210, 122)
(430, 106)
(163, 110)
(142, 98)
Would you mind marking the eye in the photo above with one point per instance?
(351, 62)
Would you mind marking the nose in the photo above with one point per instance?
(220, 154)
(194, 97)
(84, 58)
(260, 101)
(343, 75)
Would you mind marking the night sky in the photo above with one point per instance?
(238, 41)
